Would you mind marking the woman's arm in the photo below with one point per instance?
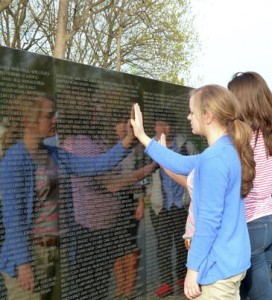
(168, 159)
(93, 165)
(139, 212)
(211, 182)
(121, 181)
(96, 165)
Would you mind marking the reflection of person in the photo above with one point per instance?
(30, 174)
(187, 183)
(256, 101)
(122, 182)
(96, 210)
(223, 174)
(168, 213)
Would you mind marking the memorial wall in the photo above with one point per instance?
(82, 217)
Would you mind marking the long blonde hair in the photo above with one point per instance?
(16, 112)
(226, 109)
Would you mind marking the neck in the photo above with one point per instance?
(214, 135)
(32, 143)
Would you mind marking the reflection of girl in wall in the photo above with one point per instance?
(216, 262)
(131, 211)
(30, 175)
(123, 183)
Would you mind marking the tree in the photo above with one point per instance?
(151, 38)
(4, 4)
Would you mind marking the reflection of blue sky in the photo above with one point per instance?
(235, 36)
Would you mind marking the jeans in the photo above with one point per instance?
(257, 283)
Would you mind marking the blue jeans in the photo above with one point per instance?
(257, 283)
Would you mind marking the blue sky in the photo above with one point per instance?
(235, 35)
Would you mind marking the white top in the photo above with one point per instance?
(258, 202)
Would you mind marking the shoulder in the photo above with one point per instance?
(224, 152)
(82, 145)
(16, 153)
(222, 156)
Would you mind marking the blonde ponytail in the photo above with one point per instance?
(225, 107)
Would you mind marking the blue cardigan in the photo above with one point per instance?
(220, 247)
(17, 191)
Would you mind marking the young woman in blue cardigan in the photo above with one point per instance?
(220, 250)
(35, 188)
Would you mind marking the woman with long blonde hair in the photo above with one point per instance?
(35, 184)
(222, 176)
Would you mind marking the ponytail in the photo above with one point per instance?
(227, 110)
(241, 134)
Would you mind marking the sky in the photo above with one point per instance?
(235, 36)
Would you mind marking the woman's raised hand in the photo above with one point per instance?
(137, 120)
(138, 126)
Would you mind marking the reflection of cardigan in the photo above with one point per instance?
(17, 181)
(220, 226)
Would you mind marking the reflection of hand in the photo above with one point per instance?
(26, 277)
(139, 213)
(130, 137)
(191, 287)
(162, 140)
(154, 166)
(130, 132)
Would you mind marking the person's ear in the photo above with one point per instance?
(208, 117)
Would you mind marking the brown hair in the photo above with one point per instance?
(226, 109)
(255, 98)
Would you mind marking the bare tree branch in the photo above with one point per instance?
(4, 4)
